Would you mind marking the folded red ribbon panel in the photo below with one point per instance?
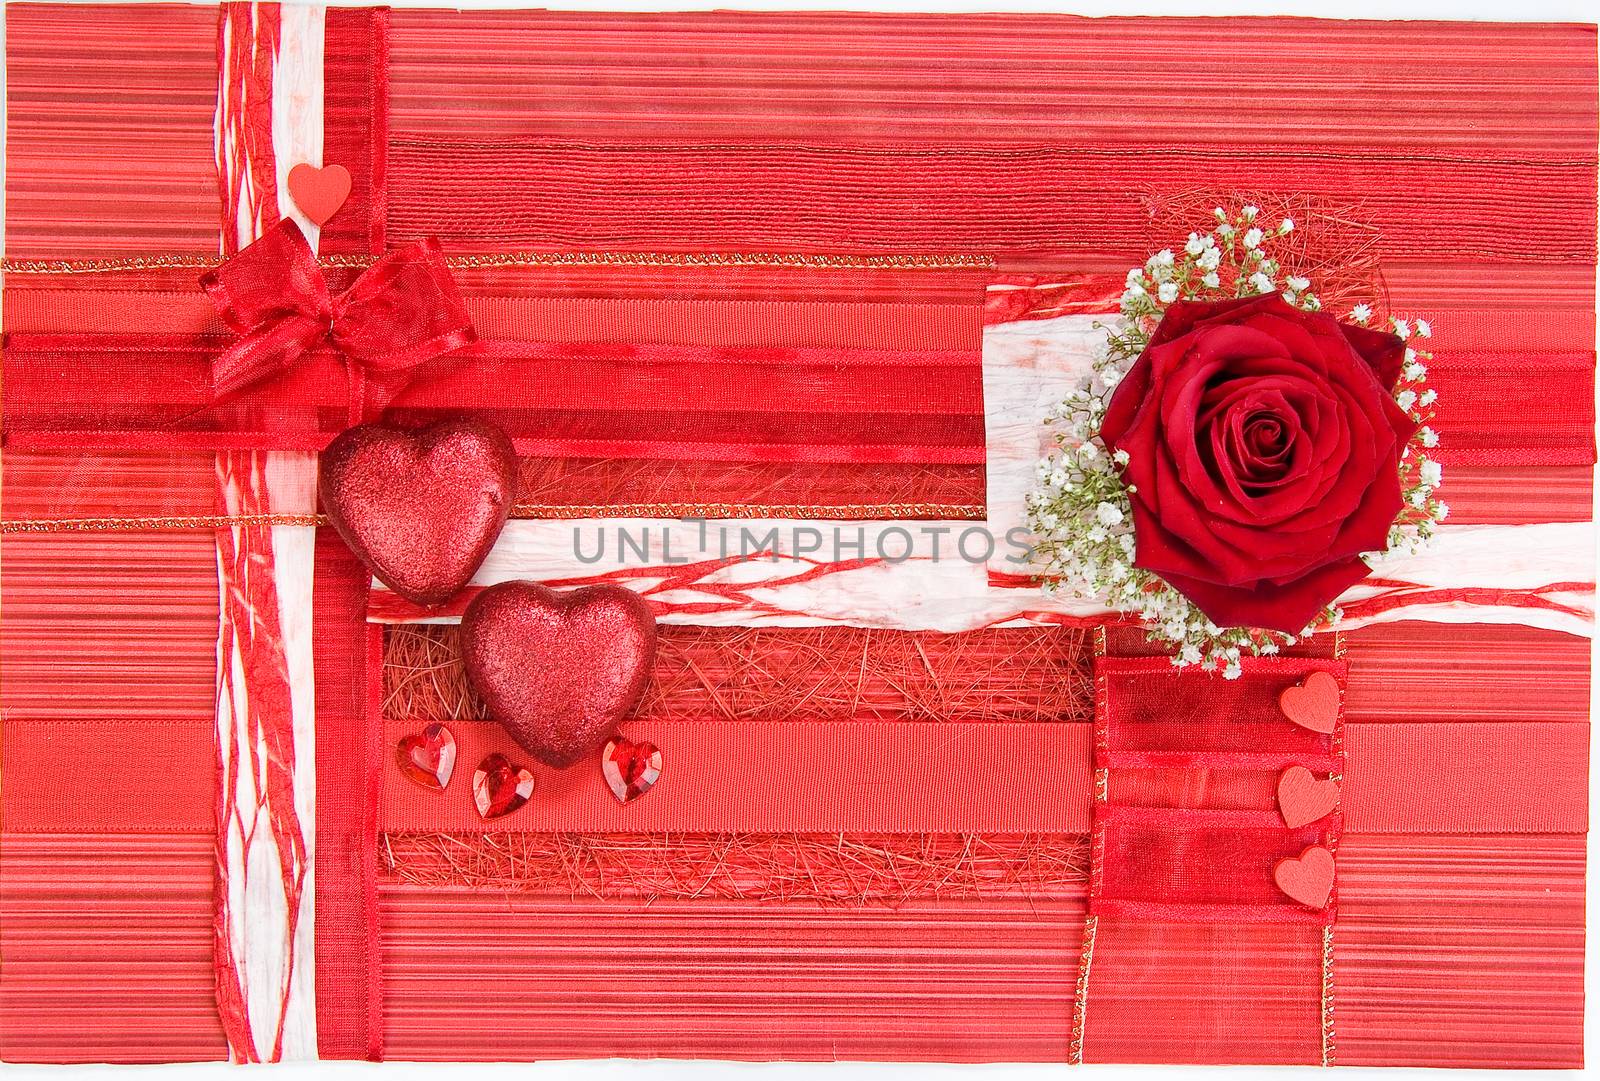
(846, 536)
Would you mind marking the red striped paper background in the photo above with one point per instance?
(1050, 143)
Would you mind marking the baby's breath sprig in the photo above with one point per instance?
(1420, 474)
(1079, 507)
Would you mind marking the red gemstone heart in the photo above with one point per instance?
(1314, 704)
(420, 509)
(631, 769)
(1302, 799)
(1307, 878)
(498, 787)
(429, 758)
(558, 670)
(319, 193)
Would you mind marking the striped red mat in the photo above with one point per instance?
(733, 265)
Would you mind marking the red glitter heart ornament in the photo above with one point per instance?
(1302, 799)
(498, 787)
(558, 670)
(1307, 878)
(429, 757)
(319, 193)
(631, 769)
(420, 509)
(1314, 704)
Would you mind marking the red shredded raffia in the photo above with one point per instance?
(842, 869)
(777, 674)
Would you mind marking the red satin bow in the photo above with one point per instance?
(402, 311)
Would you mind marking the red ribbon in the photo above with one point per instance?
(402, 311)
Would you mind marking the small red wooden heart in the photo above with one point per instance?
(319, 193)
(1314, 704)
(631, 769)
(1307, 878)
(558, 670)
(420, 509)
(429, 757)
(1302, 799)
(498, 787)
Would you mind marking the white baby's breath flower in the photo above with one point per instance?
(1442, 513)
(1088, 544)
(1430, 438)
(1424, 329)
(1401, 327)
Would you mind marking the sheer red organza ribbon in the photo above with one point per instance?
(402, 311)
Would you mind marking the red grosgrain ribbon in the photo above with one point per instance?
(402, 311)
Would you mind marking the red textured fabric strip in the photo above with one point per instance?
(348, 657)
(709, 322)
(816, 776)
(794, 776)
(110, 114)
(1460, 951)
(114, 627)
(44, 759)
(1043, 79)
(355, 130)
(1009, 202)
(1204, 993)
(959, 981)
(106, 862)
(107, 941)
(1467, 778)
(144, 389)
(1155, 715)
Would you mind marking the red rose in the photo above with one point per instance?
(1263, 451)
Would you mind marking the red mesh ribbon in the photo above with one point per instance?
(1187, 827)
(402, 311)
